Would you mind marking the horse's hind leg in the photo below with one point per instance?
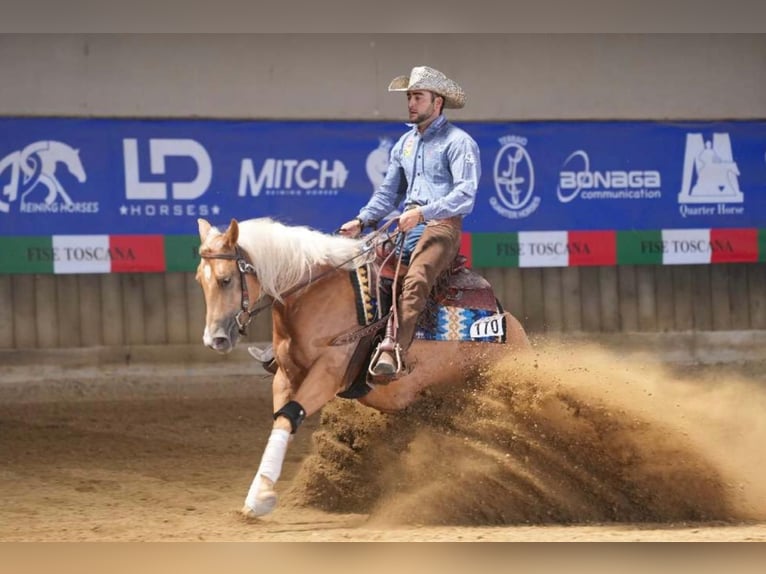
(515, 335)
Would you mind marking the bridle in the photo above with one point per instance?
(245, 268)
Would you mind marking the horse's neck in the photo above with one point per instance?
(327, 301)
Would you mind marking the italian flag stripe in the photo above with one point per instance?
(181, 252)
(26, 254)
(543, 249)
(592, 248)
(734, 245)
(762, 245)
(685, 246)
(131, 253)
(495, 249)
(81, 254)
(466, 249)
(639, 247)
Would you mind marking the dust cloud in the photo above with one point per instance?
(564, 434)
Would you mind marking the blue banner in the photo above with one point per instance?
(68, 176)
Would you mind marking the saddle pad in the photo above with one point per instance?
(366, 298)
(444, 323)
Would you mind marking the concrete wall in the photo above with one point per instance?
(506, 76)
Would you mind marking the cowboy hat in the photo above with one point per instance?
(427, 78)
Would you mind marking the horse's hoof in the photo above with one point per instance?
(264, 504)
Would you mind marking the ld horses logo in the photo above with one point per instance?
(34, 179)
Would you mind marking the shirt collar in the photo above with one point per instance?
(435, 125)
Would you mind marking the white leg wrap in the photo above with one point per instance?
(261, 498)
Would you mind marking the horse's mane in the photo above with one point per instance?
(284, 255)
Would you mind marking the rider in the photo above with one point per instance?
(435, 165)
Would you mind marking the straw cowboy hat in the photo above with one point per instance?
(427, 78)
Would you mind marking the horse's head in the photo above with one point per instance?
(222, 273)
(74, 163)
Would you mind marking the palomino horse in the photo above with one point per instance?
(304, 275)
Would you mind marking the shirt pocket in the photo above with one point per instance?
(439, 170)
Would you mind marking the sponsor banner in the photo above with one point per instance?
(88, 254)
(98, 176)
(544, 249)
(142, 184)
(179, 253)
(689, 246)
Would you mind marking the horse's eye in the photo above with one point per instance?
(224, 281)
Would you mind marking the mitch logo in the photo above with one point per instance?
(35, 179)
(159, 151)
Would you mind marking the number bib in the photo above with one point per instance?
(492, 326)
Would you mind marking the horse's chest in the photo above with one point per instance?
(291, 366)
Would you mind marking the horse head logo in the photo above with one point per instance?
(34, 168)
(377, 162)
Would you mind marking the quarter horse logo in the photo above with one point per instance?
(710, 172)
(514, 175)
(377, 162)
(33, 173)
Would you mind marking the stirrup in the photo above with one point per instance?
(387, 346)
(265, 356)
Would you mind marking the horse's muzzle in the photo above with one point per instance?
(219, 340)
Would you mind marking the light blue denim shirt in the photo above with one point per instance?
(439, 170)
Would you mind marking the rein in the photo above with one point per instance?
(264, 302)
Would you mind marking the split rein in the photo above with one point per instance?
(246, 314)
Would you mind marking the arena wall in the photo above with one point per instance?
(511, 77)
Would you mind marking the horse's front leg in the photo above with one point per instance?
(317, 389)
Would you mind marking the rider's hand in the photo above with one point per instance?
(351, 228)
(410, 219)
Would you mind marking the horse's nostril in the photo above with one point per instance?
(220, 341)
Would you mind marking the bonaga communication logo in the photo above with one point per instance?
(33, 178)
(577, 179)
(514, 176)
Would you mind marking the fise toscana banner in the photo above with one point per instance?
(113, 195)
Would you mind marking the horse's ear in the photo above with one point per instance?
(232, 233)
(204, 228)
